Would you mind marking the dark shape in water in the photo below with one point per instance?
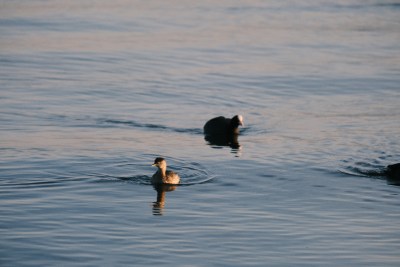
(393, 174)
(222, 131)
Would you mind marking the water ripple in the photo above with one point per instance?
(149, 126)
(191, 173)
(369, 169)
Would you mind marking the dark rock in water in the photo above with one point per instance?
(393, 173)
(223, 131)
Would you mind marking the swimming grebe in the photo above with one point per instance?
(162, 176)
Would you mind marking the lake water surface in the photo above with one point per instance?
(92, 91)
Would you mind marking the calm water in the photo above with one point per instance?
(92, 91)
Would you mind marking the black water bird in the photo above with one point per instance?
(223, 131)
(393, 173)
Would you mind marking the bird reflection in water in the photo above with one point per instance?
(231, 141)
(158, 206)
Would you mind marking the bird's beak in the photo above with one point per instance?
(153, 164)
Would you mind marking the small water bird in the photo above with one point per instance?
(223, 131)
(162, 176)
(393, 173)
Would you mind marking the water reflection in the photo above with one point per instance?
(231, 141)
(158, 205)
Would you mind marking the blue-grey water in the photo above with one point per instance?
(92, 91)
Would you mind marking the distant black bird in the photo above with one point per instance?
(223, 131)
(393, 171)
